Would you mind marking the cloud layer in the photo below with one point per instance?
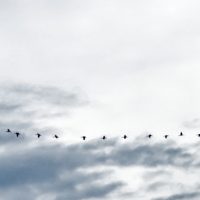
(86, 171)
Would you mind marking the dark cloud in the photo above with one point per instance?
(58, 169)
(61, 170)
(152, 155)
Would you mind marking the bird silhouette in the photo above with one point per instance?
(8, 130)
(84, 137)
(38, 135)
(17, 134)
(166, 136)
(56, 136)
(104, 137)
(181, 134)
(125, 136)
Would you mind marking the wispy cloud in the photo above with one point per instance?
(23, 105)
(192, 124)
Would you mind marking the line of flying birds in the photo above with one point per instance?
(38, 135)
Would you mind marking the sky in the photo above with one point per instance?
(95, 68)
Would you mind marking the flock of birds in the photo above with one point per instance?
(84, 137)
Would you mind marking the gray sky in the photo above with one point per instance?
(92, 68)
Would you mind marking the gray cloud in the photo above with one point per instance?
(147, 155)
(182, 196)
(44, 94)
(54, 169)
(150, 174)
(22, 105)
(61, 169)
(23, 97)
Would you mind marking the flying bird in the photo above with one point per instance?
(38, 135)
(56, 136)
(125, 136)
(8, 130)
(198, 135)
(166, 136)
(84, 137)
(104, 137)
(149, 136)
(181, 134)
(17, 134)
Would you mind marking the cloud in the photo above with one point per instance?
(192, 124)
(44, 94)
(22, 105)
(23, 97)
(54, 169)
(61, 171)
(138, 58)
(182, 196)
(151, 155)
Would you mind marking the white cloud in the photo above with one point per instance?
(136, 61)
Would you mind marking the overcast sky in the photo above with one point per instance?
(92, 68)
